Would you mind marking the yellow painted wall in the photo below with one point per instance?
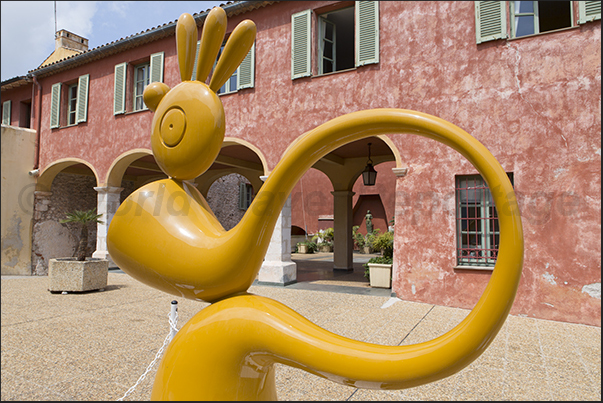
(18, 147)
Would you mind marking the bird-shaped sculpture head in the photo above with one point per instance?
(188, 126)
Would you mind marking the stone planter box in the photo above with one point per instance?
(325, 248)
(302, 248)
(366, 250)
(68, 274)
(380, 275)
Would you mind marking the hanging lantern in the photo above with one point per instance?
(369, 175)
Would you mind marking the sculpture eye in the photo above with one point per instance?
(173, 126)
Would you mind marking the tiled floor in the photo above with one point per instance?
(94, 346)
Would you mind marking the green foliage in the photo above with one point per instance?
(312, 247)
(83, 218)
(385, 243)
(324, 237)
(358, 237)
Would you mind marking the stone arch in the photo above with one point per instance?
(228, 141)
(63, 186)
(118, 168)
(46, 177)
(226, 164)
(244, 159)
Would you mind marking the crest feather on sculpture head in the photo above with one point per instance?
(237, 47)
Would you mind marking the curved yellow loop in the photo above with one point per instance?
(186, 45)
(212, 36)
(227, 351)
(237, 46)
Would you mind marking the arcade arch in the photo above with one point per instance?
(63, 186)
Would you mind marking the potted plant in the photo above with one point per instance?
(378, 270)
(324, 240)
(364, 242)
(306, 247)
(82, 272)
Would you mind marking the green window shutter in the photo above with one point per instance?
(490, 20)
(367, 32)
(119, 96)
(588, 11)
(82, 99)
(245, 78)
(300, 44)
(55, 105)
(242, 196)
(6, 107)
(157, 67)
(194, 76)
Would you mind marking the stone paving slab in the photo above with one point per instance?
(95, 345)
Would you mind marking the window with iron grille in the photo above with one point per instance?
(478, 233)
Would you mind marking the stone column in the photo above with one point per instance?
(343, 247)
(41, 202)
(107, 204)
(278, 268)
(39, 266)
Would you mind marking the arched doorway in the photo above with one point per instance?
(64, 186)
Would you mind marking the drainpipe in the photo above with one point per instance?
(38, 120)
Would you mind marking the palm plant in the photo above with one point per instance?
(83, 218)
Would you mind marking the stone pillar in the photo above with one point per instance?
(41, 202)
(278, 268)
(343, 247)
(39, 266)
(107, 204)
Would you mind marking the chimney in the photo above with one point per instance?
(69, 40)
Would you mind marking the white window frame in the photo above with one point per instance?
(6, 112)
(536, 18)
(72, 90)
(322, 27)
(242, 77)
(146, 80)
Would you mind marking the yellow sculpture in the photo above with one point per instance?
(166, 236)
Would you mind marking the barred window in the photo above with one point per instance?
(478, 233)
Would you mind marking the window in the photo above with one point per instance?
(71, 104)
(141, 74)
(477, 227)
(245, 196)
(141, 80)
(529, 17)
(346, 38)
(76, 105)
(534, 17)
(6, 112)
(243, 77)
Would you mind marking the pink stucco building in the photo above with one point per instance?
(524, 78)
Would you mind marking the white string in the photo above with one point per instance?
(167, 340)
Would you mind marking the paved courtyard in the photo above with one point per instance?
(95, 345)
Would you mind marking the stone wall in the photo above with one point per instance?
(50, 238)
(223, 198)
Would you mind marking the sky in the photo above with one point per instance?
(28, 27)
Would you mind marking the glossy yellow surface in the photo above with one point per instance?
(166, 236)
